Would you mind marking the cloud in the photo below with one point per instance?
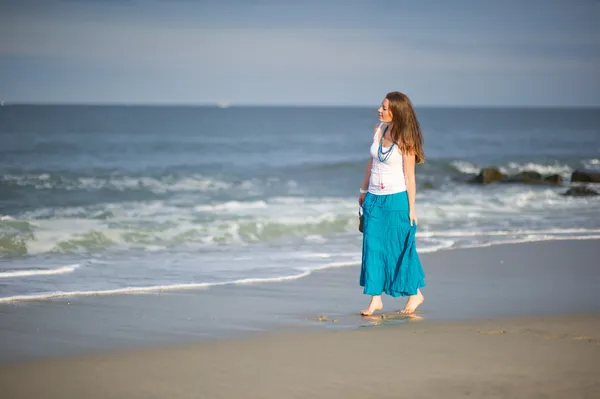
(310, 51)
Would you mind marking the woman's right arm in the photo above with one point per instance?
(365, 184)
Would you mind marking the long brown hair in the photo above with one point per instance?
(406, 132)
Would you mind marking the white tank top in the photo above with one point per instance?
(387, 176)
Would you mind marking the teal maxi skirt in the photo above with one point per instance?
(390, 262)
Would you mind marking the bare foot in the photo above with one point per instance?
(413, 303)
(376, 304)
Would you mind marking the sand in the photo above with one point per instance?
(508, 321)
(551, 357)
(532, 279)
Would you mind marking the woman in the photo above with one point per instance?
(390, 262)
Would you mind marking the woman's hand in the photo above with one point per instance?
(413, 218)
(361, 198)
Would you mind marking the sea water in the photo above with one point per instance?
(118, 199)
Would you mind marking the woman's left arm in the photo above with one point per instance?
(408, 162)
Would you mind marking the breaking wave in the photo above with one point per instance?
(38, 272)
(157, 185)
(514, 167)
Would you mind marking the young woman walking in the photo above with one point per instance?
(390, 263)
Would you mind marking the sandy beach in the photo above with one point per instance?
(554, 357)
(193, 192)
(517, 320)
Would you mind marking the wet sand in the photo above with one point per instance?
(533, 279)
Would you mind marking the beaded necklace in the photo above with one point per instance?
(381, 154)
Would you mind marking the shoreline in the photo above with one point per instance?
(158, 289)
(498, 281)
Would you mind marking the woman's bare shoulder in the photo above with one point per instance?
(375, 132)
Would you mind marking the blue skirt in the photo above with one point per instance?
(390, 262)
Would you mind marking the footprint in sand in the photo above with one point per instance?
(491, 332)
(548, 335)
(591, 340)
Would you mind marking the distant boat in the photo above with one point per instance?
(222, 104)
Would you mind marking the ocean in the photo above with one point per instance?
(125, 199)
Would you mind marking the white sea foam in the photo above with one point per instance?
(529, 239)
(38, 272)
(120, 183)
(524, 232)
(159, 225)
(300, 272)
(148, 289)
(156, 225)
(316, 255)
(466, 167)
(591, 164)
(232, 206)
(315, 238)
(438, 246)
(555, 168)
(496, 203)
(514, 167)
(334, 265)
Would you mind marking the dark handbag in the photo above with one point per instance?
(360, 220)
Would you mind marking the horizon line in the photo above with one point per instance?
(279, 105)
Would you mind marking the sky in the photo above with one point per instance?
(279, 52)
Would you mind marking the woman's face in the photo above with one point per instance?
(385, 115)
